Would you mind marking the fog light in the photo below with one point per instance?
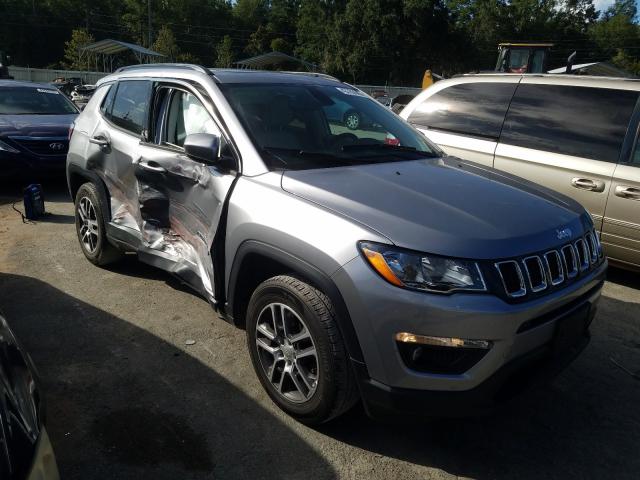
(405, 337)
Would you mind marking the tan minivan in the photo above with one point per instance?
(574, 134)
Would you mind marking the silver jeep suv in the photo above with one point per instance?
(363, 263)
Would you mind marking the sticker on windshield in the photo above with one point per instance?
(351, 91)
(44, 90)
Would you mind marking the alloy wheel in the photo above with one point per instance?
(89, 229)
(287, 352)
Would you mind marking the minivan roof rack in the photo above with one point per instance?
(142, 66)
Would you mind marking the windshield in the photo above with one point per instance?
(318, 126)
(34, 101)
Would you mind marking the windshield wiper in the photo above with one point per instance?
(387, 148)
(305, 153)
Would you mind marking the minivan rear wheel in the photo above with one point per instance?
(297, 350)
(90, 227)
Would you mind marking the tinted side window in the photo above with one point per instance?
(107, 103)
(131, 105)
(471, 108)
(579, 121)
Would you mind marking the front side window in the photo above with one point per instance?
(131, 105)
(297, 126)
(578, 121)
(34, 101)
(475, 109)
(186, 116)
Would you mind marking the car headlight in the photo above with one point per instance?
(7, 148)
(422, 271)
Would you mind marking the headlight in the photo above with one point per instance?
(7, 148)
(421, 271)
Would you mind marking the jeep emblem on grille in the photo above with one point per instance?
(56, 146)
(565, 233)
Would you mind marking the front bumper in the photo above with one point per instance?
(521, 336)
(16, 164)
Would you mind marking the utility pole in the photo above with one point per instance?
(149, 22)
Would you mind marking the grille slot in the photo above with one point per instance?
(554, 267)
(512, 279)
(583, 254)
(535, 273)
(593, 247)
(570, 260)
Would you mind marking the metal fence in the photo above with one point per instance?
(46, 76)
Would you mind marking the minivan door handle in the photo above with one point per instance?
(628, 192)
(588, 184)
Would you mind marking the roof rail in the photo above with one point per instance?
(142, 66)
(315, 74)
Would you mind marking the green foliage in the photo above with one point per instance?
(224, 53)
(369, 41)
(74, 57)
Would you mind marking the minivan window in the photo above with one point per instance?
(475, 109)
(131, 104)
(579, 121)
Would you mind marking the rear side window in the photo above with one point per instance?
(578, 121)
(475, 109)
(131, 105)
(107, 103)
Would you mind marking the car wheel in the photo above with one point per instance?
(352, 120)
(297, 350)
(91, 228)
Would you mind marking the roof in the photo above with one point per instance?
(602, 69)
(111, 47)
(20, 83)
(273, 58)
(525, 44)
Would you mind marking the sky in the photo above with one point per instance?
(603, 4)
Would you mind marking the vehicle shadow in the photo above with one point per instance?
(123, 403)
(627, 278)
(585, 425)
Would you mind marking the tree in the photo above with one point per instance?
(74, 57)
(224, 53)
(166, 44)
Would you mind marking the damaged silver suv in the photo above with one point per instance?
(363, 263)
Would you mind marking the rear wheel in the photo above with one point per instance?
(91, 229)
(297, 350)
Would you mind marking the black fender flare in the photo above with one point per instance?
(309, 272)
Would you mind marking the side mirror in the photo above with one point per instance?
(203, 146)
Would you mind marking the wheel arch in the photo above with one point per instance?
(77, 176)
(256, 261)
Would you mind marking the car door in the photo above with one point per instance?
(567, 138)
(114, 147)
(181, 199)
(621, 228)
(465, 118)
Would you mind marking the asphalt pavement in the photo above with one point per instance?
(127, 398)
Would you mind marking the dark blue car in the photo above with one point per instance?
(34, 128)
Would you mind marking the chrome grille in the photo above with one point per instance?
(555, 272)
(43, 145)
(512, 278)
(583, 254)
(570, 260)
(536, 273)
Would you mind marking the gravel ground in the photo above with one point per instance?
(128, 399)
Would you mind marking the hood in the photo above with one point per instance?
(444, 206)
(36, 125)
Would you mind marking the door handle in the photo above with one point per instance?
(588, 184)
(152, 166)
(628, 192)
(99, 140)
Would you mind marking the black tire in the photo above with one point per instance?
(352, 120)
(103, 253)
(335, 388)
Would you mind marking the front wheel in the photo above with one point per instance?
(297, 350)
